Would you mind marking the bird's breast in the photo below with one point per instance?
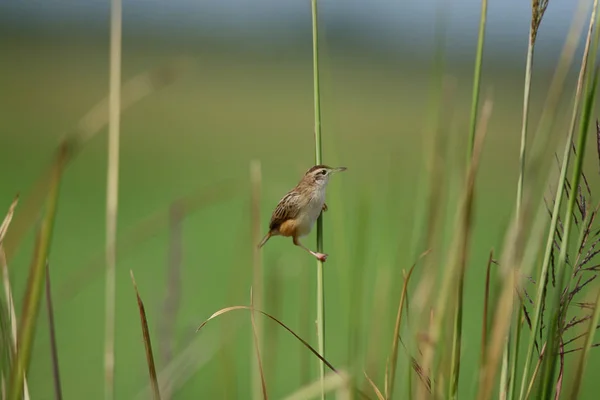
(311, 212)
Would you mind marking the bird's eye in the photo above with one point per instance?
(324, 172)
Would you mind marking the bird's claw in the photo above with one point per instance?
(324, 207)
(321, 257)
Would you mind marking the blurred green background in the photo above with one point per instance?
(242, 100)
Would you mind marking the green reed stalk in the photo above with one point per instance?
(318, 160)
(540, 295)
(477, 78)
(556, 320)
(538, 8)
(457, 334)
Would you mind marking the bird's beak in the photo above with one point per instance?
(339, 169)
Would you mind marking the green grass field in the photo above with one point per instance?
(227, 109)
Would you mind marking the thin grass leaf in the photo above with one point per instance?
(484, 323)
(540, 297)
(8, 218)
(332, 381)
(8, 323)
(374, 386)
(35, 281)
(583, 359)
(52, 330)
(147, 341)
(557, 308)
(233, 308)
(477, 80)
(393, 360)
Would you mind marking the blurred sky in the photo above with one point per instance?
(377, 22)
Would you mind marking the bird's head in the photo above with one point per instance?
(320, 174)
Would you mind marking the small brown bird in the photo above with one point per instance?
(298, 210)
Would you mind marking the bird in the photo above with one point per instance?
(297, 211)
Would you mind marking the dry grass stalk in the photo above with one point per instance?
(333, 381)
(112, 196)
(257, 279)
(10, 305)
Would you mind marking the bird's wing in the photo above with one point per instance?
(288, 208)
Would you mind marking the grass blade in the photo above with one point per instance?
(147, 342)
(585, 353)
(477, 79)
(391, 370)
(557, 311)
(8, 315)
(457, 335)
(234, 308)
(540, 296)
(35, 281)
(52, 329)
(374, 386)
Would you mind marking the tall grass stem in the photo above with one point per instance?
(458, 316)
(539, 300)
(112, 196)
(318, 160)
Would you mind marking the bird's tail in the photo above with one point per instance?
(264, 240)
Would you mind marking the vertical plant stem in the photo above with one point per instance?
(258, 389)
(112, 186)
(540, 295)
(556, 320)
(318, 160)
(457, 335)
(53, 346)
(477, 78)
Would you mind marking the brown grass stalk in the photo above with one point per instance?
(147, 341)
